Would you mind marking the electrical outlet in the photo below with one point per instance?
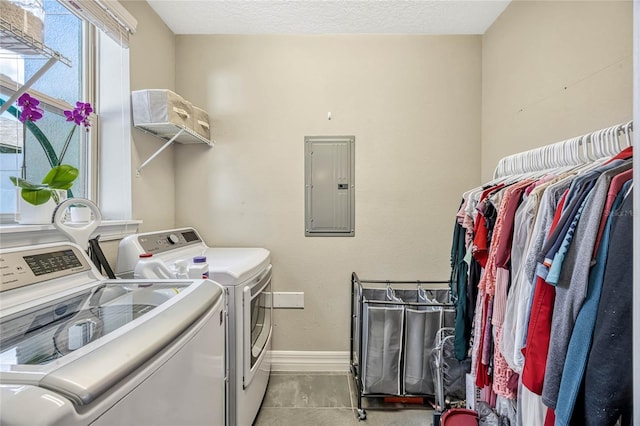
(288, 299)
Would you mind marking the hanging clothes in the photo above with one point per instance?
(458, 285)
(539, 329)
(580, 342)
(572, 285)
(534, 254)
(608, 371)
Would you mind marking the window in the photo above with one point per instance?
(58, 89)
(100, 75)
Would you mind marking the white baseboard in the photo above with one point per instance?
(303, 361)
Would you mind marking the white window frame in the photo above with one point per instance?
(109, 155)
(114, 150)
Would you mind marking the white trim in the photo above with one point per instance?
(308, 361)
(114, 130)
(8, 87)
(22, 235)
(107, 15)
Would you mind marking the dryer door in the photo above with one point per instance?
(257, 326)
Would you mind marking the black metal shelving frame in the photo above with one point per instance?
(356, 344)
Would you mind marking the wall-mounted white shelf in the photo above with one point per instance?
(15, 40)
(171, 133)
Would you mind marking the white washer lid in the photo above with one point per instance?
(87, 372)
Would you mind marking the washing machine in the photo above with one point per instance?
(76, 349)
(245, 274)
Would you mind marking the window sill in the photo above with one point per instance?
(14, 235)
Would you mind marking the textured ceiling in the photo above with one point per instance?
(328, 16)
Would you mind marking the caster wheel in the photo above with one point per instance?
(362, 415)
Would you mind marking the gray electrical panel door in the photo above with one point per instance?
(329, 186)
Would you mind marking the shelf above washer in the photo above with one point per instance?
(171, 133)
(167, 131)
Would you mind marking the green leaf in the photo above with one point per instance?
(61, 177)
(25, 184)
(37, 196)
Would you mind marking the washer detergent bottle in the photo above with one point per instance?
(199, 268)
(148, 267)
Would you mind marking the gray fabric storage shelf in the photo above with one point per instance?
(393, 333)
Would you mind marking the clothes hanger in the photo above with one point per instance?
(597, 144)
(574, 151)
(618, 142)
(576, 155)
(587, 145)
(613, 142)
(622, 142)
(628, 128)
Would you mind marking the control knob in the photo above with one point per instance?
(173, 239)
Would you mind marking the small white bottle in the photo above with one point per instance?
(199, 268)
(182, 271)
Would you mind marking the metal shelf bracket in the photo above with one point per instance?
(171, 133)
(169, 142)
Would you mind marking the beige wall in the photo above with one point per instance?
(413, 104)
(152, 66)
(552, 70)
(546, 70)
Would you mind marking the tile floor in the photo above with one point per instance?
(317, 399)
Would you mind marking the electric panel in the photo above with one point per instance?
(329, 186)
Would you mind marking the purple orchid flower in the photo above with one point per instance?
(80, 114)
(30, 110)
(26, 100)
(80, 117)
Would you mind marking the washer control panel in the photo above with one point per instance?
(160, 242)
(19, 268)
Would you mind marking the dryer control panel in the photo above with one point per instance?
(19, 268)
(160, 242)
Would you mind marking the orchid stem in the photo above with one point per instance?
(23, 168)
(66, 145)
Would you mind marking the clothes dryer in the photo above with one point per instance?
(76, 349)
(245, 274)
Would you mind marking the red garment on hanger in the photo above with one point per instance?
(482, 373)
(614, 188)
(622, 155)
(481, 233)
(539, 328)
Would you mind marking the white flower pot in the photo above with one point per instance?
(28, 214)
(80, 214)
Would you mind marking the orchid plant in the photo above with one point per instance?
(61, 176)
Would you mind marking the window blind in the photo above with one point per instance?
(107, 15)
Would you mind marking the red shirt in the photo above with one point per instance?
(539, 329)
